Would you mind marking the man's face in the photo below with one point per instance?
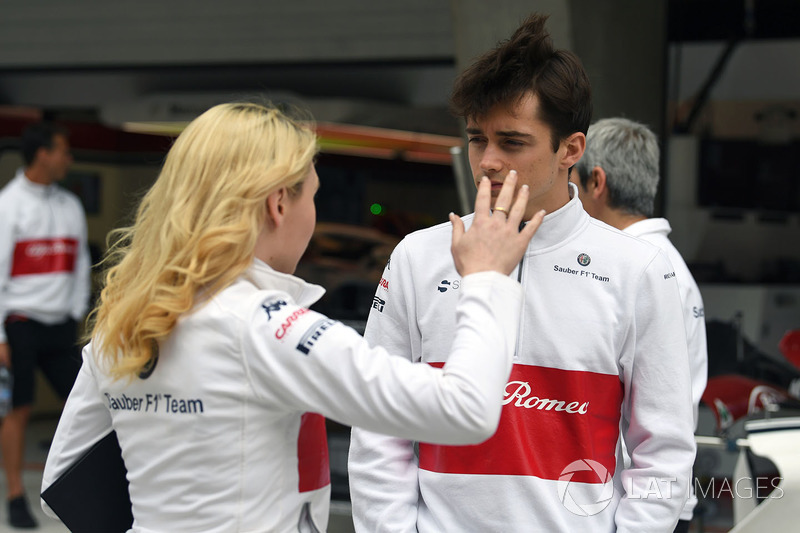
(515, 139)
(56, 160)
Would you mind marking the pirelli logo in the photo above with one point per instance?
(313, 333)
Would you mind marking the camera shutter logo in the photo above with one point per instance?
(593, 498)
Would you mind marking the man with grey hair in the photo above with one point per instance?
(617, 179)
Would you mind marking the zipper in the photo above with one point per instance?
(519, 326)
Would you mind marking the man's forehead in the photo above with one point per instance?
(521, 110)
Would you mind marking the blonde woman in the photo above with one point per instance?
(209, 365)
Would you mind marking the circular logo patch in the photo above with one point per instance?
(584, 259)
(585, 499)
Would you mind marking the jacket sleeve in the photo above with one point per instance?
(83, 269)
(306, 362)
(694, 317)
(657, 410)
(382, 470)
(84, 421)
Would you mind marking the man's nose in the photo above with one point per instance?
(491, 163)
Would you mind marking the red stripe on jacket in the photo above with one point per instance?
(551, 418)
(312, 453)
(44, 256)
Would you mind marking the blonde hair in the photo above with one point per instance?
(196, 228)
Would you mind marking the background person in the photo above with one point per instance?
(44, 290)
(618, 180)
(209, 365)
(602, 314)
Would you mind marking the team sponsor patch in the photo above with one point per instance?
(273, 307)
(384, 284)
(584, 259)
(578, 408)
(447, 284)
(44, 256)
(289, 322)
(669, 275)
(312, 334)
(378, 304)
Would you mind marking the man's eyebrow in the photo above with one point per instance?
(502, 133)
(512, 133)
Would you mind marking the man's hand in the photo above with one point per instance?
(5, 355)
(494, 241)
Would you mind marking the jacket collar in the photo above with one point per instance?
(561, 224)
(31, 187)
(651, 225)
(265, 277)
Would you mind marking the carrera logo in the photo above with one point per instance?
(290, 320)
(384, 284)
(313, 333)
(273, 307)
(445, 284)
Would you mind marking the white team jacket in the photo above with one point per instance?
(44, 259)
(655, 230)
(601, 346)
(221, 436)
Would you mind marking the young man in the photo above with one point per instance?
(600, 318)
(44, 290)
(618, 179)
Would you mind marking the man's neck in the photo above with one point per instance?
(621, 220)
(36, 175)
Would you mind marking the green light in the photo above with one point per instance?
(376, 209)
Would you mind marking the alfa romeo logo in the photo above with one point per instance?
(584, 259)
(585, 499)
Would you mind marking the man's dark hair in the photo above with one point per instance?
(39, 135)
(528, 63)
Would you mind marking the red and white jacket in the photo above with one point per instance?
(222, 436)
(601, 349)
(44, 258)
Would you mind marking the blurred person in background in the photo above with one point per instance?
(44, 290)
(618, 179)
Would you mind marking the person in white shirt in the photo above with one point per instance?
(44, 290)
(215, 375)
(618, 180)
(601, 315)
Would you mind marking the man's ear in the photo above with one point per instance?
(575, 144)
(598, 184)
(276, 206)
